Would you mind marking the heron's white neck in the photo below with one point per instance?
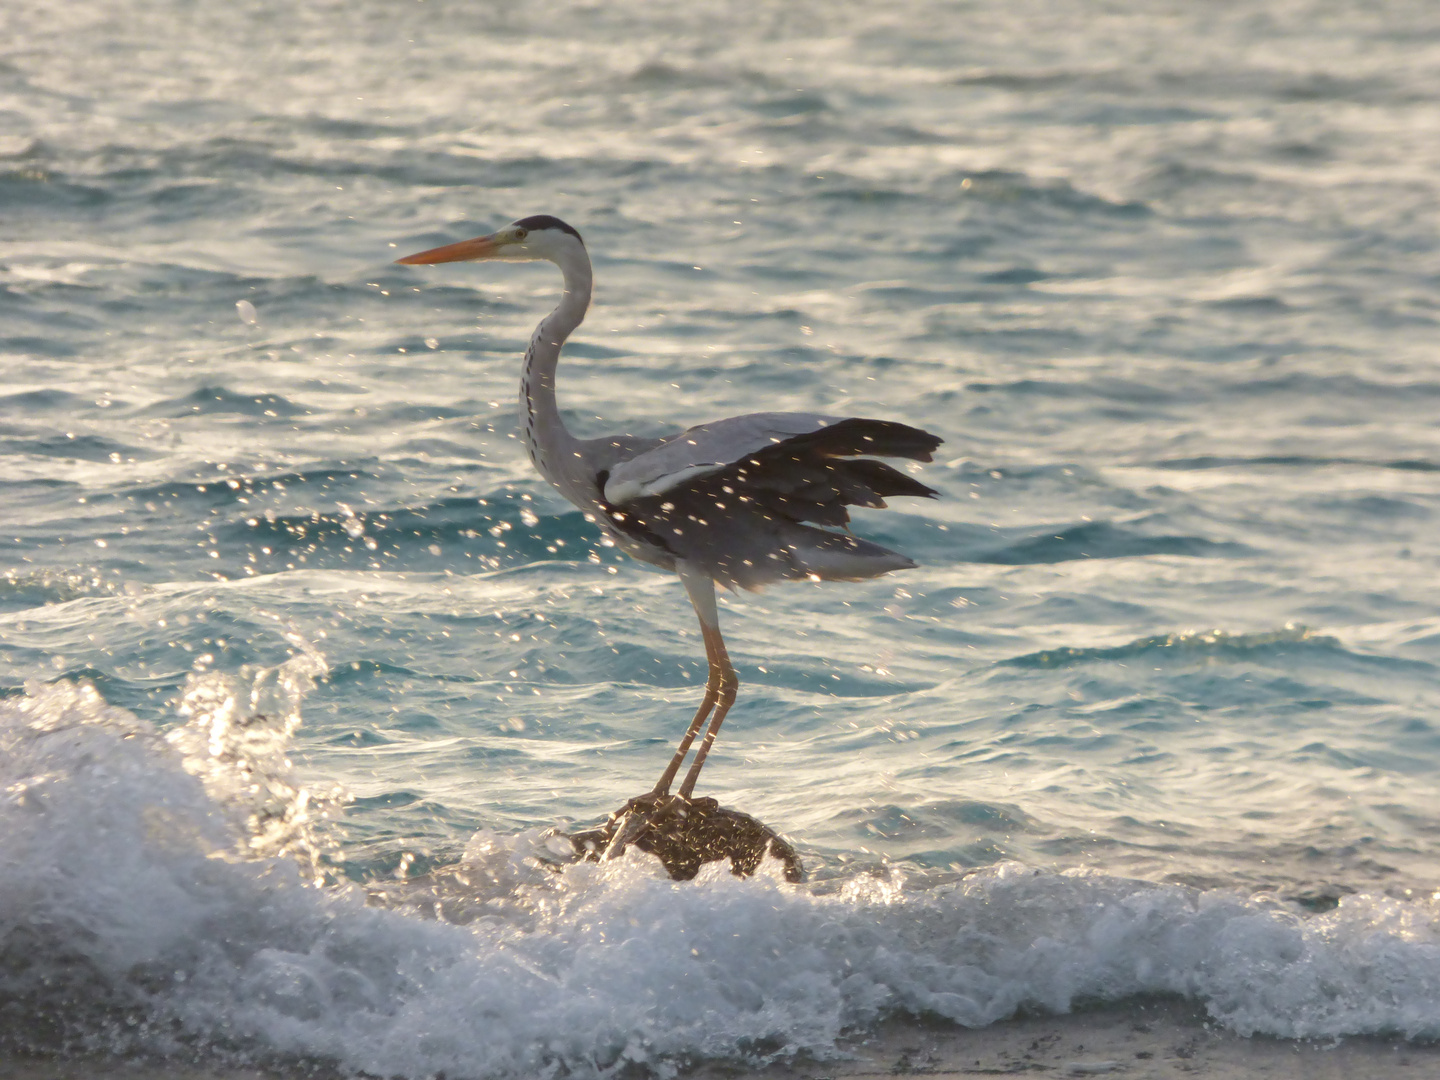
(553, 450)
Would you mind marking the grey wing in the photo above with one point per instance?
(739, 496)
(705, 449)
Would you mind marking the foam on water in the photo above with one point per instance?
(140, 912)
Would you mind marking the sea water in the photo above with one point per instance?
(301, 665)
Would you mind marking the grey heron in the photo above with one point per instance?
(743, 502)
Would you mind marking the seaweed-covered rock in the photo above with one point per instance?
(684, 834)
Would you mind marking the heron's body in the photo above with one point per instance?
(743, 501)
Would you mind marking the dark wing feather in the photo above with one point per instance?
(877, 438)
(814, 477)
(747, 522)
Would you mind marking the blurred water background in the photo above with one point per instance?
(1157, 713)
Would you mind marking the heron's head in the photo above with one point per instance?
(537, 237)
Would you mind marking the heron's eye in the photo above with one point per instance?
(520, 234)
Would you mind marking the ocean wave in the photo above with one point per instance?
(141, 913)
(1190, 645)
(214, 400)
(1102, 540)
(326, 513)
(72, 446)
(492, 533)
(1299, 461)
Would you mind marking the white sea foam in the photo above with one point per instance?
(126, 903)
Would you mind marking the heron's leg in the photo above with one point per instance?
(712, 691)
(701, 589)
(729, 683)
(719, 688)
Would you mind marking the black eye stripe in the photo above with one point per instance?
(546, 221)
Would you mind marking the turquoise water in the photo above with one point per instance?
(1163, 277)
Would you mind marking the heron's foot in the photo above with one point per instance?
(684, 834)
(656, 817)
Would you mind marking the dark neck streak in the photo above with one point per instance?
(553, 450)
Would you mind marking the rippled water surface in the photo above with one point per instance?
(1164, 278)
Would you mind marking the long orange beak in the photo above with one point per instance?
(482, 247)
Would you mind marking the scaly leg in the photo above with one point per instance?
(712, 691)
(701, 590)
(729, 683)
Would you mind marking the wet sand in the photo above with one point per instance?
(1136, 1041)
(1153, 1040)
